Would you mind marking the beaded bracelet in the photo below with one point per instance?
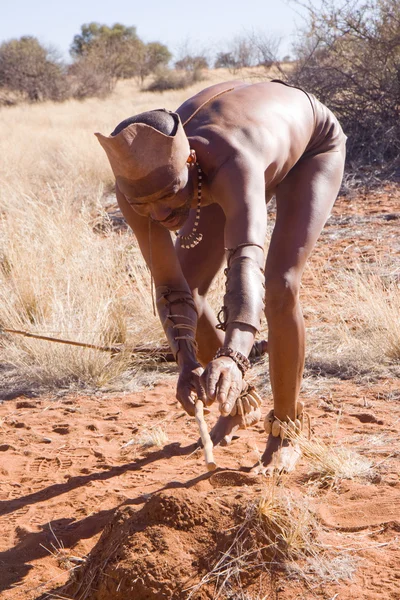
(240, 359)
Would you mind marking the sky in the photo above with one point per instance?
(197, 25)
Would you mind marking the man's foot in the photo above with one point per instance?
(280, 456)
(259, 348)
(225, 428)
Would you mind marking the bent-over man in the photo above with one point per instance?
(207, 172)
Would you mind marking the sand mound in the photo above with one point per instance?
(157, 552)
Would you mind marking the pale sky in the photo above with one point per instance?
(201, 24)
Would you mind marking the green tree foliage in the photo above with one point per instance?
(152, 57)
(349, 56)
(93, 33)
(112, 53)
(28, 68)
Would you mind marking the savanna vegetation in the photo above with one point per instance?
(68, 266)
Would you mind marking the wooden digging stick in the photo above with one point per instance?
(205, 436)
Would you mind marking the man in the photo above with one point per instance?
(207, 172)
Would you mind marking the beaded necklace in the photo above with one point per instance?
(193, 238)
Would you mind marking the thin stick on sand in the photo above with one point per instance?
(205, 436)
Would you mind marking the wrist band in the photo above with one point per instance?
(240, 359)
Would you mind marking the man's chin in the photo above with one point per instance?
(176, 224)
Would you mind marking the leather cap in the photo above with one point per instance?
(144, 160)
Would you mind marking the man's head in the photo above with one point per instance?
(148, 154)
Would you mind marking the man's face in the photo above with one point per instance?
(170, 209)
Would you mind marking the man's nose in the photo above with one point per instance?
(158, 212)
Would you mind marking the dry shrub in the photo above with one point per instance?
(167, 79)
(31, 70)
(349, 56)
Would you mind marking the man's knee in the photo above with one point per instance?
(281, 294)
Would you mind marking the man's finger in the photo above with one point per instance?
(184, 396)
(227, 393)
(211, 384)
(223, 387)
(229, 406)
(200, 390)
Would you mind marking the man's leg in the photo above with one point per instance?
(304, 201)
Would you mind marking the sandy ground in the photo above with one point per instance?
(71, 465)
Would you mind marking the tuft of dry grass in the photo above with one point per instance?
(65, 560)
(148, 438)
(330, 464)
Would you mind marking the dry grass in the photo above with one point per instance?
(353, 323)
(370, 321)
(332, 464)
(66, 272)
(62, 279)
(148, 438)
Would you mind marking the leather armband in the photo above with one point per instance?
(179, 323)
(244, 297)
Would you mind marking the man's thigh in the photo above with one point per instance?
(304, 201)
(201, 263)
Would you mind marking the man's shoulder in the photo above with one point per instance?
(192, 104)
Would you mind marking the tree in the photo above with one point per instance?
(240, 53)
(93, 33)
(29, 68)
(224, 60)
(112, 53)
(152, 56)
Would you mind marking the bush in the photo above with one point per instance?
(167, 79)
(28, 68)
(88, 79)
(192, 63)
(349, 56)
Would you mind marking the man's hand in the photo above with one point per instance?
(223, 382)
(189, 386)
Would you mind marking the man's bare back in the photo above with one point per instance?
(244, 142)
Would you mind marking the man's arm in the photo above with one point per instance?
(240, 189)
(174, 300)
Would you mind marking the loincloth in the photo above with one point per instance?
(328, 135)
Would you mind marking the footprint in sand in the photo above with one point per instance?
(44, 465)
(356, 515)
(61, 428)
